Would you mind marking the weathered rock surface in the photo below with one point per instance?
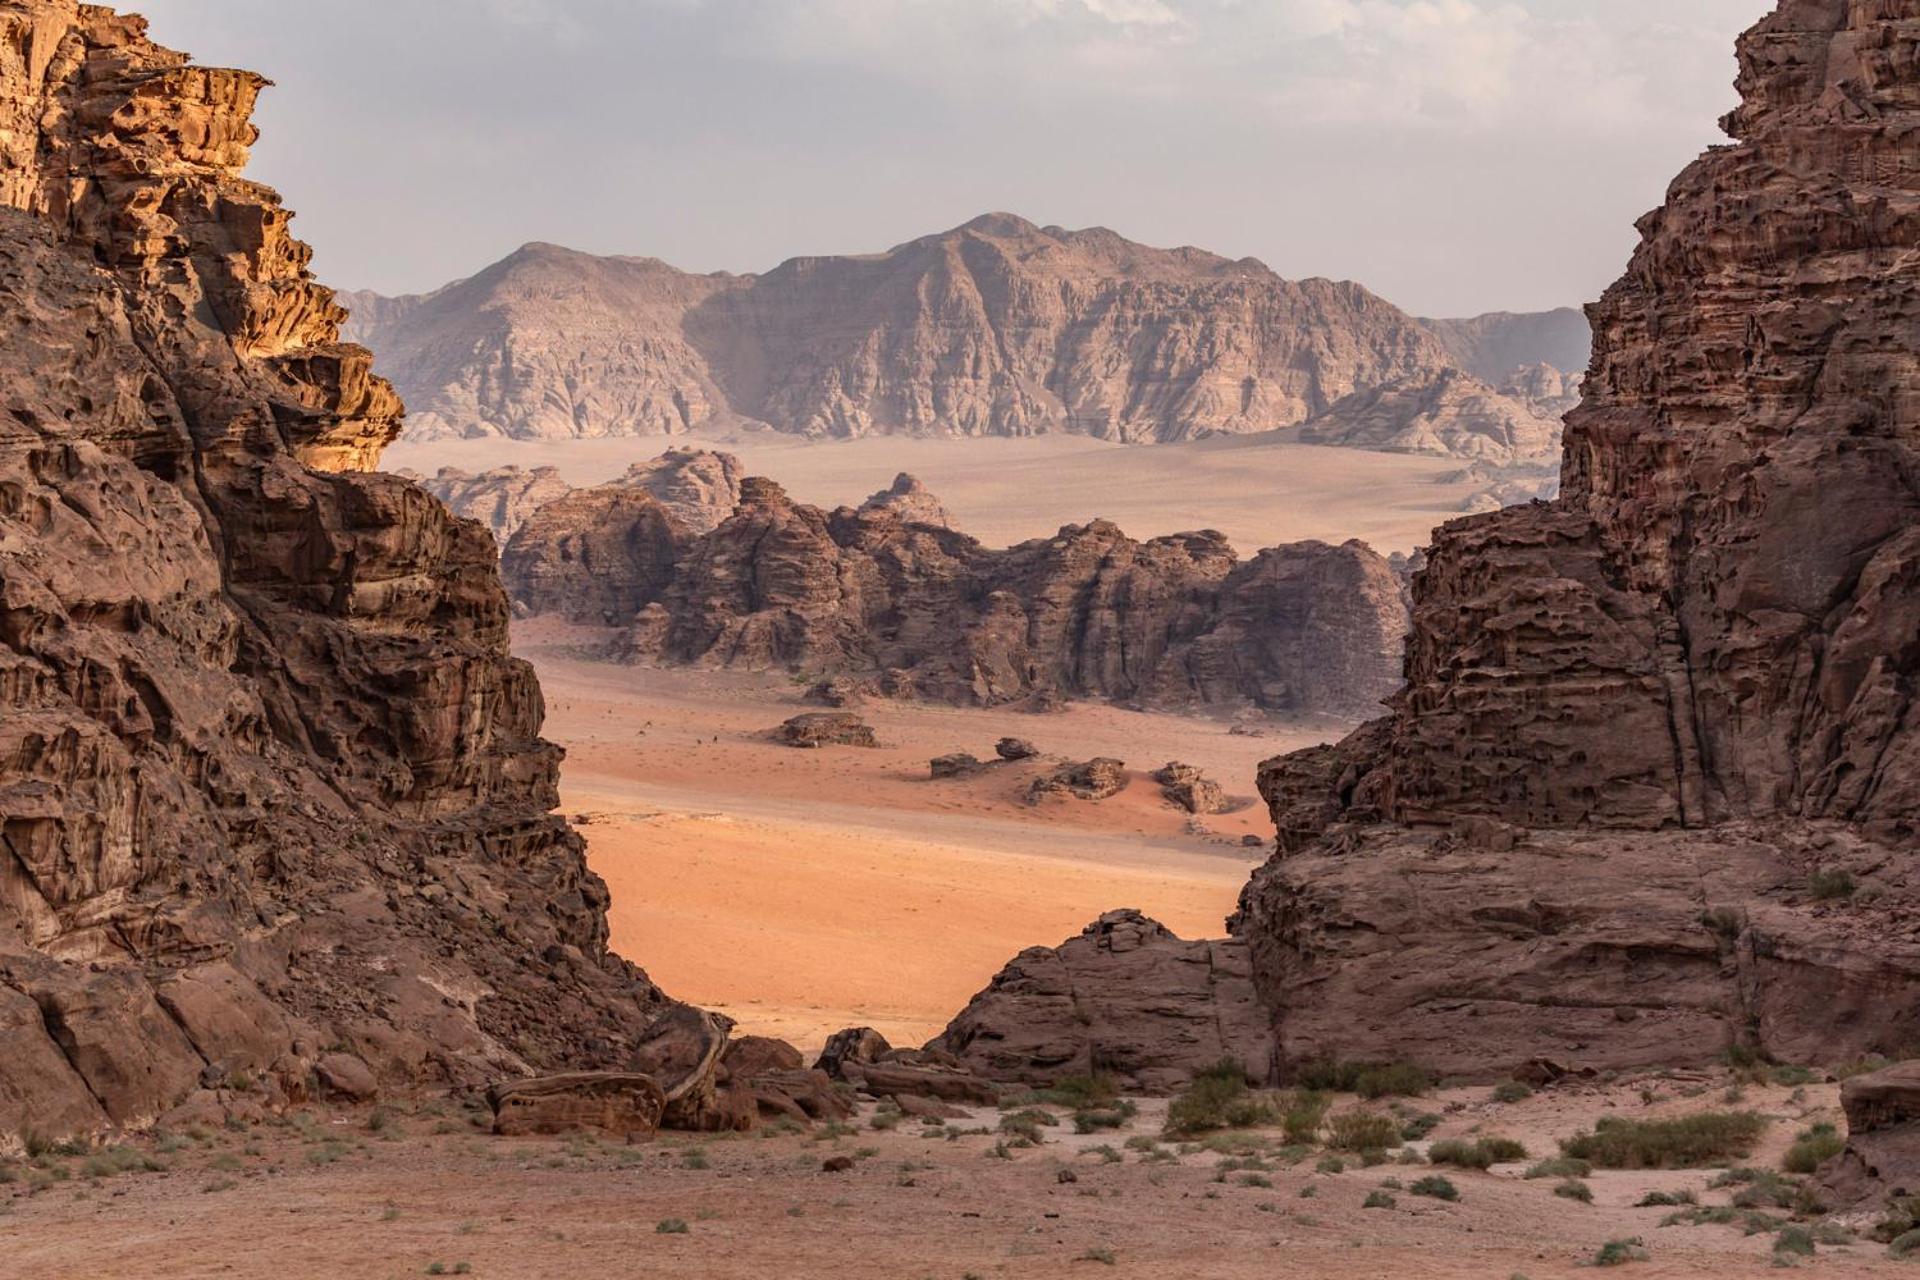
(625, 1104)
(924, 611)
(826, 729)
(501, 499)
(1654, 730)
(1882, 1157)
(909, 501)
(1447, 413)
(1639, 718)
(699, 487)
(995, 328)
(861, 1057)
(1099, 779)
(595, 556)
(269, 778)
(1126, 998)
(1191, 789)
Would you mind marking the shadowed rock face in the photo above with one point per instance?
(1640, 718)
(1653, 731)
(501, 499)
(269, 779)
(1177, 621)
(995, 328)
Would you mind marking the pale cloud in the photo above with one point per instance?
(1456, 155)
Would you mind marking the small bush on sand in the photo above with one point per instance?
(1563, 1167)
(1219, 1098)
(1483, 1153)
(1574, 1189)
(1377, 1200)
(1363, 1131)
(1665, 1199)
(671, 1227)
(1617, 1253)
(1302, 1115)
(1689, 1142)
(1435, 1187)
(1813, 1148)
(1511, 1091)
(1831, 886)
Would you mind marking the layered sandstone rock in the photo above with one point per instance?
(501, 499)
(909, 501)
(926, 611)
(996, 328)
(1127, 999)
(269, 780)
(1653, 788)
(1640, 718)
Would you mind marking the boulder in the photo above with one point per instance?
(1012, 749)
(1882, 1157)
(623, 1103)
(1098, 779)
(958, 765)
(826, 729)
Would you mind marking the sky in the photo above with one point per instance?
(1456, 156)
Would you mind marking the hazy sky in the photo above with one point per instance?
(1455, 155)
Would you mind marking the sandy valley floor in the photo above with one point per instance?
(804, 891)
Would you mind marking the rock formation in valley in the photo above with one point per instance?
(500, 499)
(1449, 413)
(928, 612)
(698, 487)
(1653, 787)
(273, 798)
(996, 328)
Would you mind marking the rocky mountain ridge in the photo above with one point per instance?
(995, 328)
(889, 593)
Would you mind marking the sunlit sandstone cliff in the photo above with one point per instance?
(272, 794)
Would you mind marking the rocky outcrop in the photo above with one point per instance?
(1448, 414)
(501, 499)
(819, 729)
(1882, 1156)
(1642, 719)
(1652, 790)
(699, 487)
(909, 501)
(928, 612)
(1126, 999)
(995, 328)
(1098, 779)
(271, 787)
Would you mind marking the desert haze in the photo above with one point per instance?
(1112, 758)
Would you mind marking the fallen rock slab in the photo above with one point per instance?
(627, 1104)
(826, 729)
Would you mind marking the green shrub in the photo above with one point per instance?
(1793, 1242)
(1378, 1200)
(1689, 1142)
(1219, 1098)
(671, 1227)
(1369, 1080)
(1789, 1077)
(1363, 1131)
(1483, 1153)
(1435, 1187)
(1081, 1093)
(1813, 1148)
(1460, 1153)
(1511, 1091)
(1574, 1189)
(1419, 1126)
(1094, 1119)
(1563, 1167)
(1905, 1245)
(1666, 1199)
(1302, 1114)
(1616, 1253)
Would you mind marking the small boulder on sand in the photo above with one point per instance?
(957, 765)
(1097, 779)
(1015, 749)
(1192, 790)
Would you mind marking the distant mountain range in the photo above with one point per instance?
(996, 328)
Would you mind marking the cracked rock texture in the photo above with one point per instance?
(270, 782)
(1652, 789)
(995, 328)
(882, 590)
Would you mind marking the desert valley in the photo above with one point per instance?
(1020, 753)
